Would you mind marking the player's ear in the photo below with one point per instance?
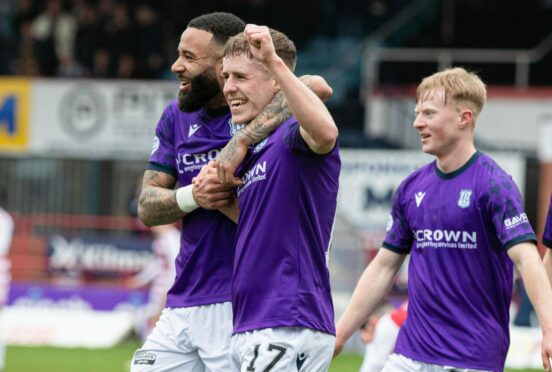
(275, 86)
(466, 118)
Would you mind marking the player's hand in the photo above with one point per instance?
(260, 41)
(228, 161)
(207, 191)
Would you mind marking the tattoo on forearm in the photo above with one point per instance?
(158, 204)
(229, 150)
(275, 113)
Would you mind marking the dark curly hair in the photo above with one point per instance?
(222, 25)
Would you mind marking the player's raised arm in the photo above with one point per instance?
(263, 125)
(318, 128)
(373, 285)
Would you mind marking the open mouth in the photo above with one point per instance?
(235, 103)
(185, 85)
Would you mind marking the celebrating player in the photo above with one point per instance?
(283, 314)
(194, 330)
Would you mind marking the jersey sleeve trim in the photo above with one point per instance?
(162, 168)
(395, 249)
(520, 239)
(547, 242)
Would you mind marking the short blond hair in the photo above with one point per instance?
(285, 48)
(458, 85)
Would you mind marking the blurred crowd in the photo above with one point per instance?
(103, 39)
(137, 38)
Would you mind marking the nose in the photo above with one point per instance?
(229, 86)
(418, 123)
(178, 66)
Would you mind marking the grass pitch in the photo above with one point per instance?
(116, 359)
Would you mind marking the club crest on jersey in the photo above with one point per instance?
(260, 145)
(464, 199)
(234, 128)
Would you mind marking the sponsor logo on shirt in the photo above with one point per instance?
(426, 238)
(510, 223)
(255, 174)
(464, 199)
(193, 162)
(155, 145)
(142, 357)
(192, 129)
(419, 197)
(389, 223)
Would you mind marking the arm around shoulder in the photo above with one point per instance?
(157, 204)
(318, 85)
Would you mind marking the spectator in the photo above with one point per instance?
(101, 64)
(88, 38)
(25, 63)
(119, 33)
(54, 33)
(148, 33)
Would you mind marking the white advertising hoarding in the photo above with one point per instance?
(93, 119)
(369, 178)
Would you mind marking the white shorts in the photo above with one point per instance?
(282, 349)
(188, 339)
(400, 363)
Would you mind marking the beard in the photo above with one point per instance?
(203, 87)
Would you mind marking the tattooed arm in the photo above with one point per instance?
(157, 203)
(274, 114)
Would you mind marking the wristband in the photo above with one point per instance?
(185, 199)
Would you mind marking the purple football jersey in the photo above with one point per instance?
(547, 236)
(457, 228)
(287, 209)
(183, 144)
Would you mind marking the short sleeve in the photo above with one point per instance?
(295, 142)
(162, 154)
(547, 235)
(504, 205)
(398, 236)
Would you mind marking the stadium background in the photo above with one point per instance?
(77, 113)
